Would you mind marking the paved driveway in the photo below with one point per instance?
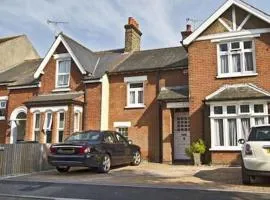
(157, 175)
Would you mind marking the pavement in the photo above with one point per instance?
(153, 175)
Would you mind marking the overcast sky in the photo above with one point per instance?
(99, 24)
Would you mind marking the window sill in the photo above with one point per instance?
(61, 90)
(2, 118)
(236, 75)
(135, 106)
(225, 148)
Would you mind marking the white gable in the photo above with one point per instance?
(261, 15)
(51, 52)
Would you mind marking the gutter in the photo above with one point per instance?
(24, 86)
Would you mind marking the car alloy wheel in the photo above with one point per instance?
(136, 158)
(105, 164)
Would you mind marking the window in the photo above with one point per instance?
(3, 105)
(135, 94)
(63, 73)
(123, 131)
(48, 127)
(236, 58)
(232, 121)
(77, 120)
(109, 138)
(121, 139)
(61, 126)
(37, 126)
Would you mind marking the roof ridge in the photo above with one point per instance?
(79, 43)
(162, 48)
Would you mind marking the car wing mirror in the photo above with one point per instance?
(241, 141)
(130, 142)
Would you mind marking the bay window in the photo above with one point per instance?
(236, 58)
(3, 105)
(61, 126)
(37, 126)
(77, 119)
(232, 121)
(48, 127)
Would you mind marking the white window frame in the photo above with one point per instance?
(49, 128)
(58, 124)
(242, 51)
(34, 124)
(136, 90)
(238, 116)
(3, 108)
(58, 60)
(118, 130)
(77, 126)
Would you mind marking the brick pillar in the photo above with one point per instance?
(167, 143)
(29, 133)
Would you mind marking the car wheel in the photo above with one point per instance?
(136, 160)
(62, 169)
(246, 179)
(105, 164)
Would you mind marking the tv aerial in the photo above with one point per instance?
(56, 26)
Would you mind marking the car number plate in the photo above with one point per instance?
(67, 151)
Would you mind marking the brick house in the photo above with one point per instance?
(136, 92)
(229, 77)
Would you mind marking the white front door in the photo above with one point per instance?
(181, 135)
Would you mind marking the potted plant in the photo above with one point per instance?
(195, 150)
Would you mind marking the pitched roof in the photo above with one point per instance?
(238, 92)
(70, 96)
(4, 39)
(153, 59)
(245, 6)
(21, 74)
(180, 93)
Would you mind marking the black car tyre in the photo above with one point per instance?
(246, 179)
(136, 160)
(62, 169)
(105, 164)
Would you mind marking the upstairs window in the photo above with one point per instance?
(135, 94)
(63, 73)
(236, 58)
(3, 105)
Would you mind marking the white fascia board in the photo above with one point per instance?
(208, 22)
(61, 56)
(51, 52)
(236, 38)
(121, 124)
(220, 11)
(3, 98)
(216, 92)
(131, 79)
(93, 81)
(23, 87)
(244, 33)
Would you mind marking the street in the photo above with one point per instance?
(44, 190)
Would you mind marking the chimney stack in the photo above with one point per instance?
(187, 32)
(132, 36)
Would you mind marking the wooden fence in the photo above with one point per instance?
(23, 158)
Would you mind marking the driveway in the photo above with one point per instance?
(156, 175)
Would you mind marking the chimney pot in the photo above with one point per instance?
(187, 32)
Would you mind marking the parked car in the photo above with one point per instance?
(94, 149)
(256, 153)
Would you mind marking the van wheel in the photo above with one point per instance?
(136, 159)
(62, 169)
(246, 179)
(105, 164)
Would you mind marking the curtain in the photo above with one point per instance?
(248, 61)
(236, 63)
(245, 124)
(219, 132)
(259, 121)
(224, 64)
(232, 132)
(132, 97)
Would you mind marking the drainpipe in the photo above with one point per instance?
(159, 119)
(84, 108)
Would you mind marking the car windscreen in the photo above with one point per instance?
(260, 134)
(85, 136)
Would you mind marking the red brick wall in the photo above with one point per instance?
(203, 72)
(3, 123)
(92, 108)
(144, 129)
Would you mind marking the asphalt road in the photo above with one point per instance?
(41, 190)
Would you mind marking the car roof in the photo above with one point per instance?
(261, 125)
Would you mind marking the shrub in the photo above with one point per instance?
(196, 147)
